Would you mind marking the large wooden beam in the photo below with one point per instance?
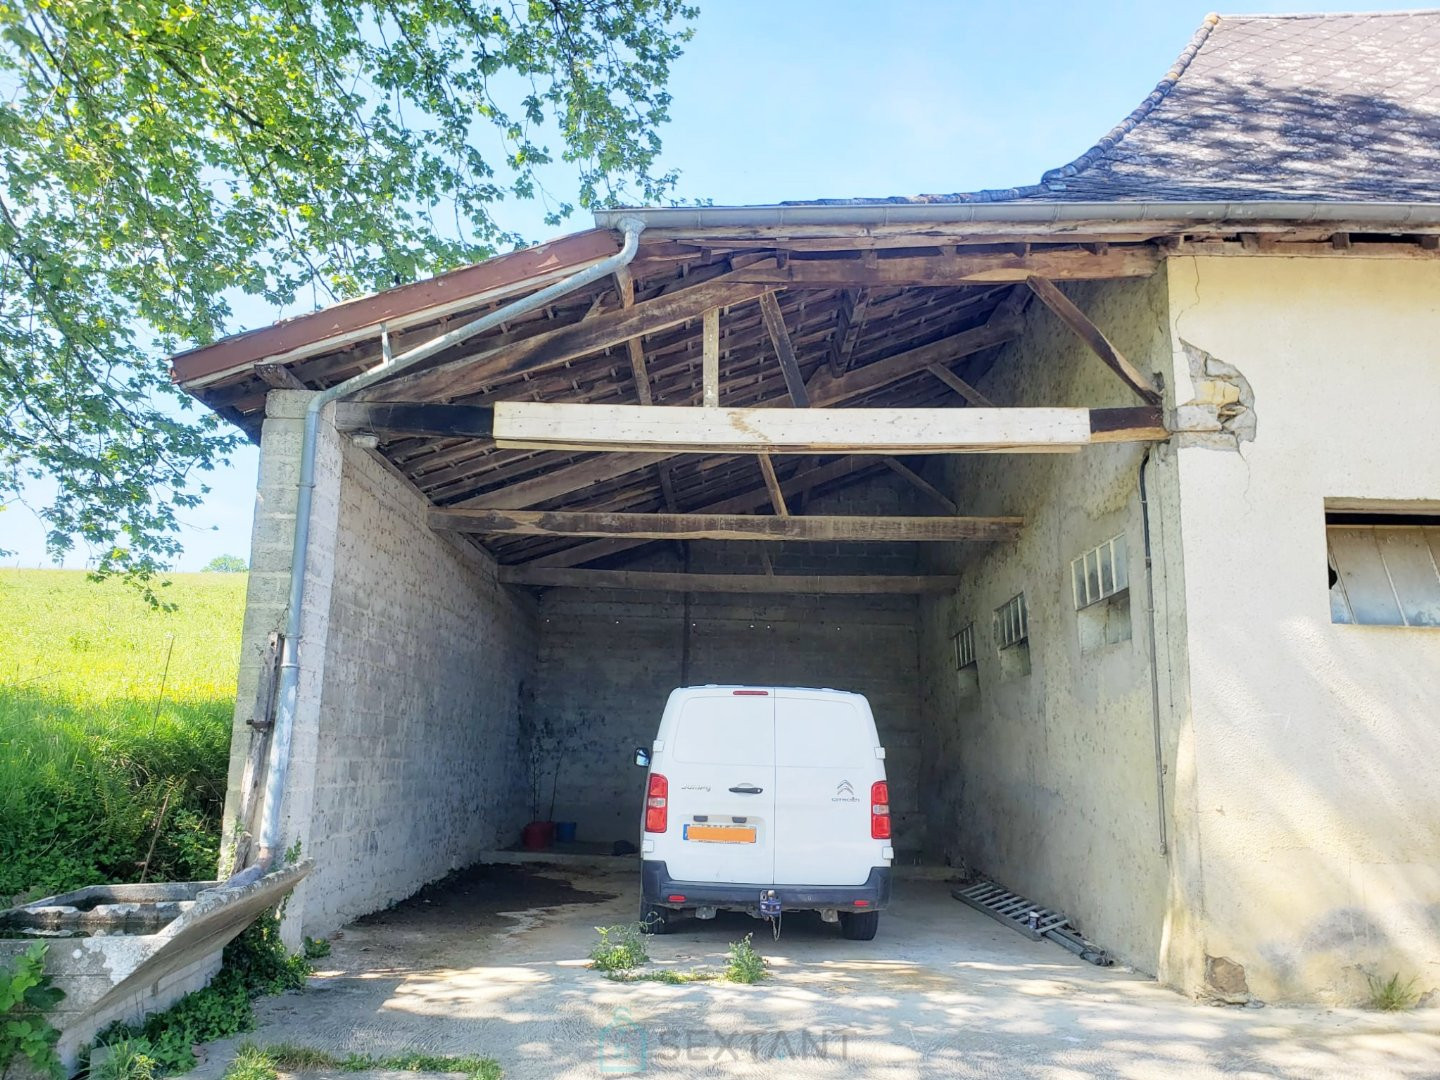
(409, 419)
(646, 581)
(1098, 343)
(710, 358)
(469, 374)
(1072, 264)
(723, 526)
(797, 485)
(535, 425)
(823, 389)
(784, 350)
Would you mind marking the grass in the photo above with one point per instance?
(104, 751)
(266, 1063)
(1391, 995)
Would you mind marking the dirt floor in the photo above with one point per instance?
(493, 962)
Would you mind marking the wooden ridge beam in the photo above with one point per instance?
(1065, 309)
(541, 352)
(1069, 264)
(649, 581)
(639, 526)
(534, 425)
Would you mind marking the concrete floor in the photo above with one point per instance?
(495, 964)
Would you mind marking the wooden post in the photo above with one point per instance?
(710, 358)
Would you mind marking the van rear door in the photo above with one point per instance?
(825, 762)
(720, 763)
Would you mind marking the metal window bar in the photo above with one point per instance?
(965, 647)
(1012, 623)
(1100, 573)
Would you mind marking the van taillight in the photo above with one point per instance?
(657, 804)
(880, 810)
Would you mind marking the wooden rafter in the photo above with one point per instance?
(635, 348)
(960, 386)
(920, 484)
(1097, 342)
(849, 320)
(647, 581)
(541, 352)
(772, 485)
(637, 526)
(784, 350)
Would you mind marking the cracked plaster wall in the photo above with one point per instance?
(1307, 810)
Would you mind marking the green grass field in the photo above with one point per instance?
(104, 753)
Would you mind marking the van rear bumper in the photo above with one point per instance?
(657, 886)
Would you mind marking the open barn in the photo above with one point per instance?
(1052, 475)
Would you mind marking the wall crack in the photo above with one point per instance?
(1221, 415)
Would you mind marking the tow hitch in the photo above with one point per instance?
(770, 910)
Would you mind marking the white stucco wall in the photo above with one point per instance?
(1046, 782)
(1311, 826)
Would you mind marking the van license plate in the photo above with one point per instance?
(720, 834)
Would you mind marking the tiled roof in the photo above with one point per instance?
(1297, 107)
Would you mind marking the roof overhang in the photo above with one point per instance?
(840, 217)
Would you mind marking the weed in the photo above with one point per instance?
(126, 1060)
(316, 948)
(744, 965)
(255, 1063)
(25, 997)
(1391, 995)
(620, 948)
(251, 1063)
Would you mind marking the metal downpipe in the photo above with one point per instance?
(1154, 662)
(289, 683)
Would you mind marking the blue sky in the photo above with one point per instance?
(804, 99)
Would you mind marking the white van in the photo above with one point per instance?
(766, 799)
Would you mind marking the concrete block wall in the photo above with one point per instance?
(608, 660)
(407, 758)
(1046, 781)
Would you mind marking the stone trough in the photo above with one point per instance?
(122, 951)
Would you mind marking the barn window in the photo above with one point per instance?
(1100, 582)
(1012, 636)
(1384, 568)
(967, 667)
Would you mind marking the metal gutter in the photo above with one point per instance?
(1386, 216)
(270, 831)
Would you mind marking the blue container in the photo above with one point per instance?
(565, 832)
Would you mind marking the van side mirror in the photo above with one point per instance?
(642, 757)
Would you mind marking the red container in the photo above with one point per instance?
(538, 835)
